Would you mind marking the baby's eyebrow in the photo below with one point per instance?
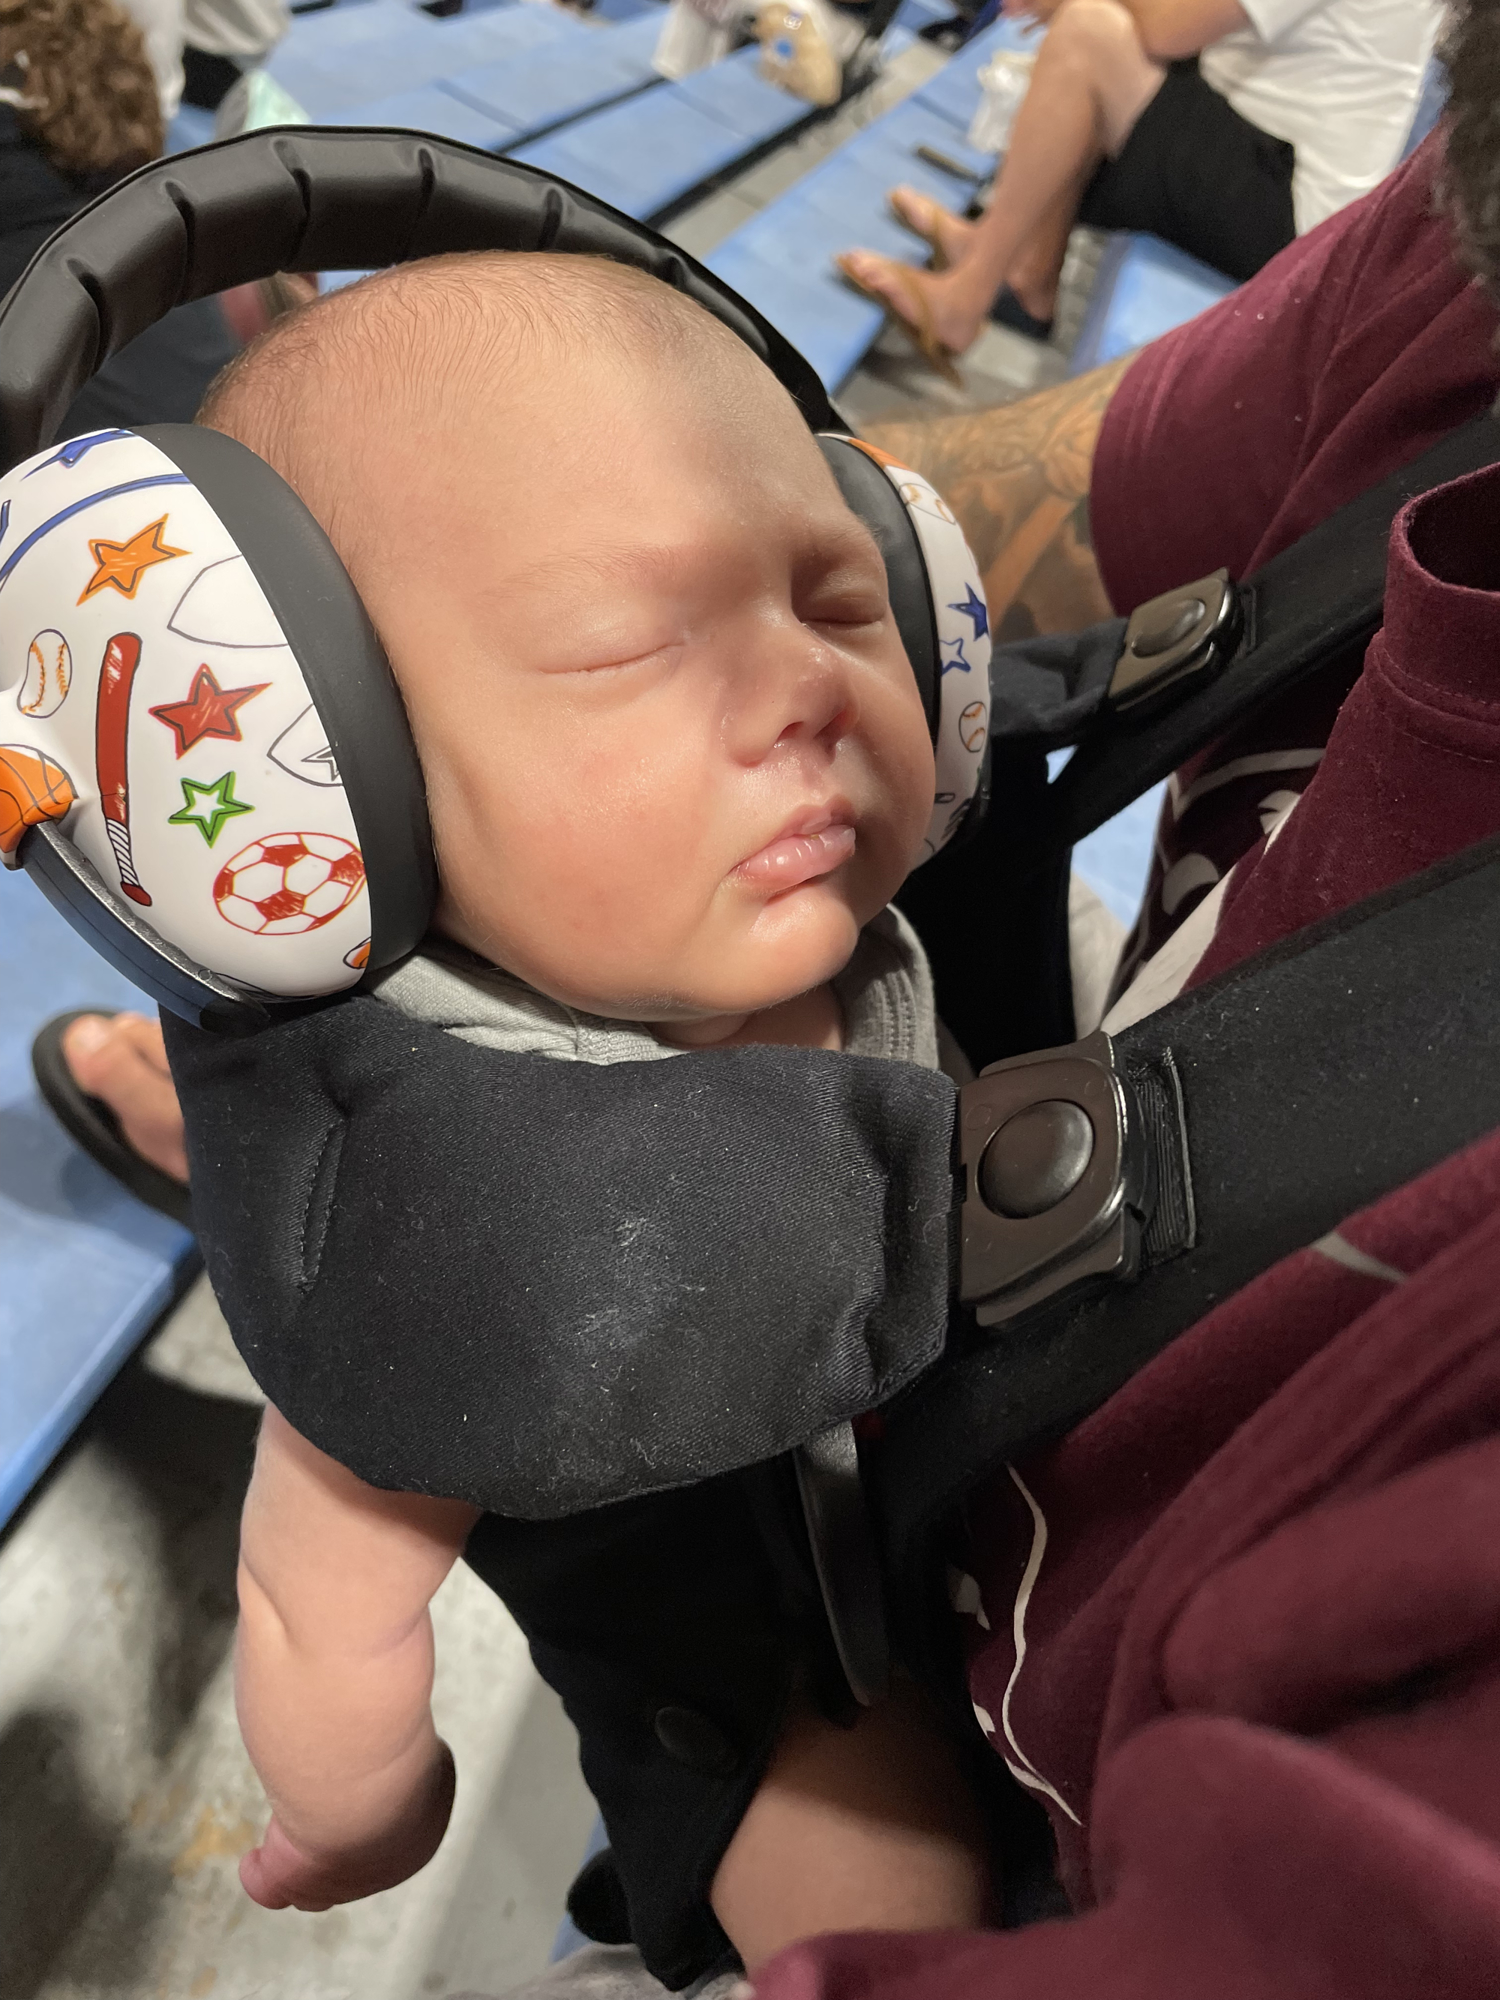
(623, 562)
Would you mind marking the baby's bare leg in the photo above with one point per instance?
(870, 1828)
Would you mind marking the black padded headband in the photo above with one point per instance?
(302, 199)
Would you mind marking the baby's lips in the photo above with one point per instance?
(797, 858)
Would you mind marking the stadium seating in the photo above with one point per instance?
(649, 155)
(361, 55)
(782, 259)
(88, 1269)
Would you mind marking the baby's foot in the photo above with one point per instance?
(949, 235)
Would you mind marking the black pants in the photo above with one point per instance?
(1196, 173)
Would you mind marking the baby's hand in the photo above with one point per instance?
(279, 1876)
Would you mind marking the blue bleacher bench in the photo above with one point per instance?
(782, 259)
(85, 1269)
(1143, 289)
(651, 153)
(527, 94)
(330, 72)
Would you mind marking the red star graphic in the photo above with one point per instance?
(208, 711)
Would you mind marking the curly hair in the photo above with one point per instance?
(1470, 53)
(78, 74)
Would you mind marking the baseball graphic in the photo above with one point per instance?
(289, 883)
(924, 499)
(122, 656)
(32, 788)
(971, 726)
(49, 675)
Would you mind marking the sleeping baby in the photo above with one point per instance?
(677, 765)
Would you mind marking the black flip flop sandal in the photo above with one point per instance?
(92, 1125)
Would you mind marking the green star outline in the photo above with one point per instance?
(225, 806)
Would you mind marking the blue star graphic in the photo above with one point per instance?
(953, 657)
(977, 609)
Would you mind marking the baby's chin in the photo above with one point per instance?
(765, 966)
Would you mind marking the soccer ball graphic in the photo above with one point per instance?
(289, 883)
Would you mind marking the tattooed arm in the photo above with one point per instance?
(1018, 479)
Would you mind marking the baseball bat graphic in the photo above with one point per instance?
(111, 733)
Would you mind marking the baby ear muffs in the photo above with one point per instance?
(189, 680)
(210, 744)
(937, 600)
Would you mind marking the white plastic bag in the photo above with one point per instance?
(695, 34)
(255, 102)
(1006, 78)
(804, 45)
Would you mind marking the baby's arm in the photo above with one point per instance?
(333, 1674)
(869, 1828)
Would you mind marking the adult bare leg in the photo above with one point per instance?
(1092, 81)
(1034, 272)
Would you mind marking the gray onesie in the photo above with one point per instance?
(885, 992)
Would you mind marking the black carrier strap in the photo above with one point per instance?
(1304, 610)
(1242, 1122)
(1137, 699)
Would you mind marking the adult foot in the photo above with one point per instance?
(122, 1060)
(947, 235)
(931, 306)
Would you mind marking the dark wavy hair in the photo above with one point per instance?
(1470, 53)
(79, 78)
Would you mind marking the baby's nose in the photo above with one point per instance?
(826, 722)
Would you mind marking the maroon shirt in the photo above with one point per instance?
(1256, 1597)
(1359, 346)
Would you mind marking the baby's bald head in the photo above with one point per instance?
(349, 397)
(640, 637)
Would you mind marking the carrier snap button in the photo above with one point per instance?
(692, 1739)
(1148, 645)
(1036, 1158)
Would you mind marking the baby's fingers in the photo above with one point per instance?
(277, 1877)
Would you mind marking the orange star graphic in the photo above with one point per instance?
(121, 565)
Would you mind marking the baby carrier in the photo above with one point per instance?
(985, 1273)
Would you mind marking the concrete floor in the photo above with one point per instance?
(127, 1797)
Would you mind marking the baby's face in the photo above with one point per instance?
(674, 749)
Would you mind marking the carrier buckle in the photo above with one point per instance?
(1185, 634)
(1056, 1178)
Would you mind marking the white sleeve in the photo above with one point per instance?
(160, 21)
(1270, 18)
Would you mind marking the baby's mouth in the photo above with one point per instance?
(812, 845)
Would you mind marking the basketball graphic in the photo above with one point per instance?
(359, 958)
(32, 788)
(971, 725)
(49, 675)
(289, 883)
